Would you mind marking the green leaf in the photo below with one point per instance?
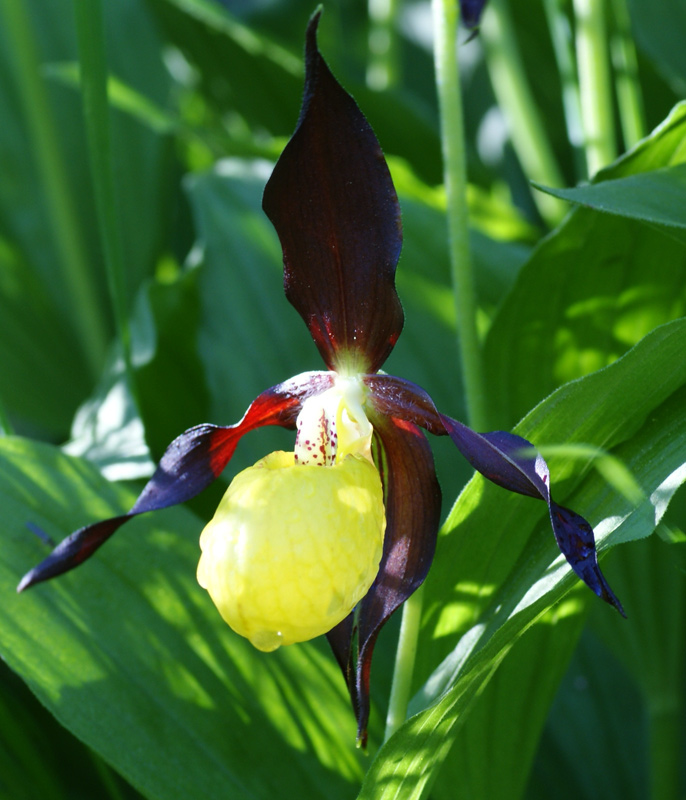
(108, 431)
(594, 744)
(590, 291)
(50, 334)
(654, 197)
(130, 654)
(659, 32)
(497, 568)
(37, 755)
(248, 337)
(652, 648)
(37, 349)
(239, 71)
(492, 754)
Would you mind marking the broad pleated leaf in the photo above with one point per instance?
(590, 291)
(131, 655)
(495, 573)
(656, 198)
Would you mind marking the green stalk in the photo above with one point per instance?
(594, 83)
(455, 178)
(527, 130)
(78, 279)
(383, 66)
(629, 95)
(404, 663)
(445, 14)
(91, 42)
(561, 36)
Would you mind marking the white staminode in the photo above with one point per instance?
(333, 425)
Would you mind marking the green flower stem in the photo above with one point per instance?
(91, 42)
(384, 66)
(594, 83)
(563, 46)
(445, 14)
(514, 96)
(629, 95)
(78, 278)
(404, 663)
(455, 178)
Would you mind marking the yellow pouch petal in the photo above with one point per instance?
(293, 548)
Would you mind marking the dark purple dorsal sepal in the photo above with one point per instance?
(332, 202)
(190, 464)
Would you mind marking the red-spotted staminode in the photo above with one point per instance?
(333, 537)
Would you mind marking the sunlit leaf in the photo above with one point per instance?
(590, 291)
(496, 569)
(131, 656)
(655, 198)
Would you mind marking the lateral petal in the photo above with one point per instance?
(190, 464)
(505, 459)
(334, 207)
(413, 507)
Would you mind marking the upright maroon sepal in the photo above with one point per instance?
(332, 202)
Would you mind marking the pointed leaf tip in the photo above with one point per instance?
(332, 202)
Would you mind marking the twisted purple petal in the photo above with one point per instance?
(505, 459)
(190, 464)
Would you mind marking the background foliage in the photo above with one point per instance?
(131, 311)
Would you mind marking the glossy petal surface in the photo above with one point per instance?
(413, 505)
(332, 202)
(190, 464)
(507, 460)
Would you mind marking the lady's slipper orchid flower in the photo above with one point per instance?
(335, 536)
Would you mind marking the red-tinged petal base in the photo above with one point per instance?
(505, 459)
(190, 464)
(413, 506)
